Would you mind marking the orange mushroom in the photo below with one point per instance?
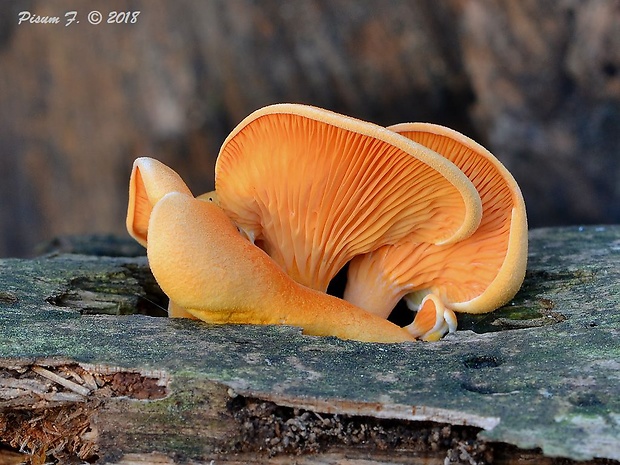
(314, 189)
(150, 180)
(205, 265)
(475, 275)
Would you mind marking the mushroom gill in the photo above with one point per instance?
(314, 189)
(475, 275)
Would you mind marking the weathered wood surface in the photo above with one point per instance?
(543, 372)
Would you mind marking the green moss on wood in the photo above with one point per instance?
(544, 369)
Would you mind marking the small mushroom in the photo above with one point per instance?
(432, 320)
(206, 266)
(150, 180)
(475, 275)
(314, 189)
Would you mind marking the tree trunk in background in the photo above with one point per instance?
(536, 82)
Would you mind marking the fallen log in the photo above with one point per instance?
(90, 371)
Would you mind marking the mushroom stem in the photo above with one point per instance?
(369, 288)
(204, 265)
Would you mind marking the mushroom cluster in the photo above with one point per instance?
(417, 210)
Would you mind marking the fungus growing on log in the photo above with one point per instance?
(315, 188)
(150, 180)
(475, 275)
(419, 210)
(206, 266)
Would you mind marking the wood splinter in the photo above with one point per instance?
(78, 389)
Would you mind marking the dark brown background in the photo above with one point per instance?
(537, 82)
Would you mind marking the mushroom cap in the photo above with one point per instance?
(150, 180)
(205, 266)
(314, 188)
(475, 275)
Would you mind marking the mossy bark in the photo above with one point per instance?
(542, 372)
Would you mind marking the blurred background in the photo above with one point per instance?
(538, 83)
